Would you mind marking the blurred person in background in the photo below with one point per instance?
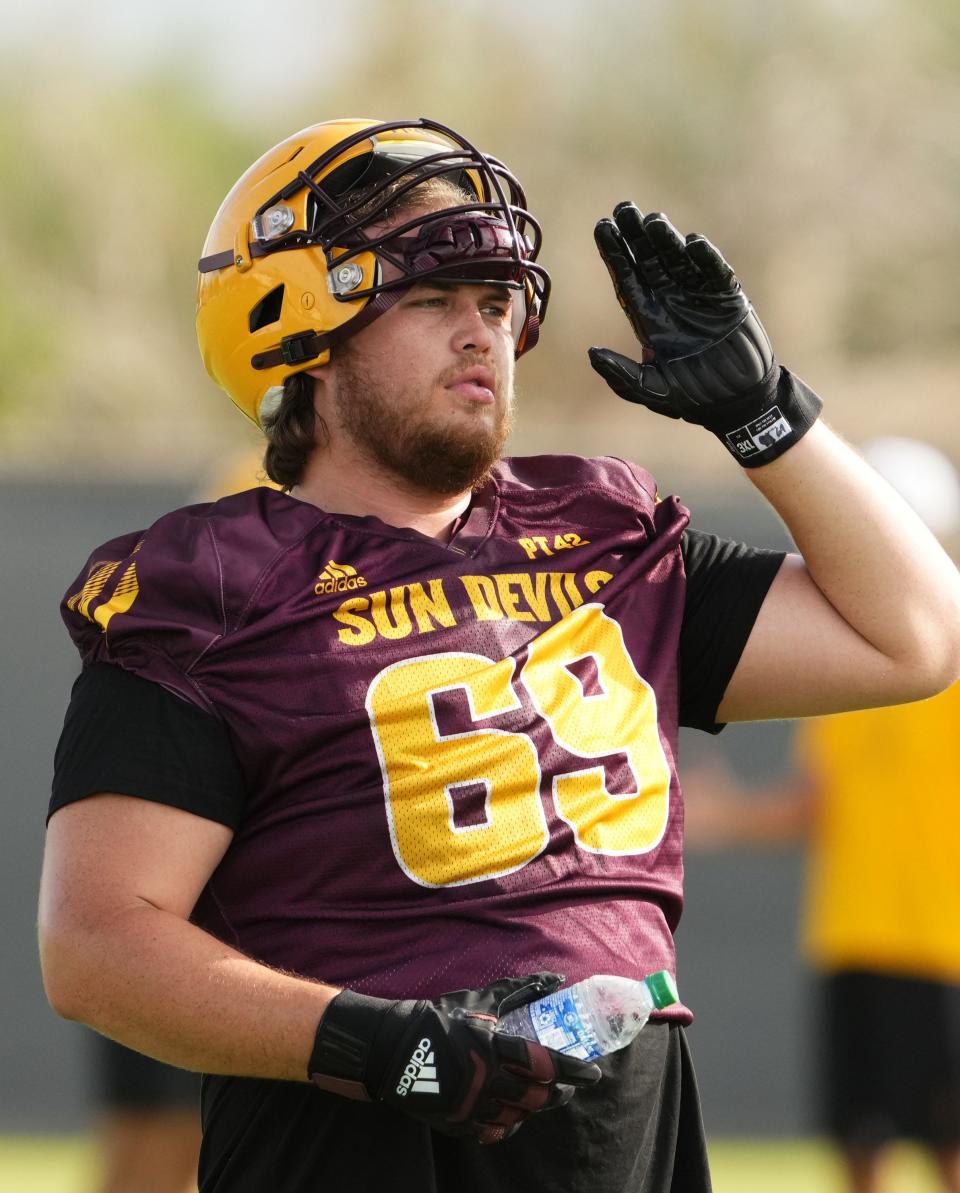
(875, 796)
(148, 1134)
(409, 726)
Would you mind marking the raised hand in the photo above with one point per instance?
(706, 357)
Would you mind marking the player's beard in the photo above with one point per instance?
(406, 436)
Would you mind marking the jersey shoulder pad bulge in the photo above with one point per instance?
(155, 601)
(620, 478)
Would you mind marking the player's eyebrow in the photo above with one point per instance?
(445, 285)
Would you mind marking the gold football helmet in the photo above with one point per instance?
(299, 256)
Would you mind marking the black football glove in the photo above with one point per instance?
(706, 358)
(443, 1062)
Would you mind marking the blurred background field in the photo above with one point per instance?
(68, 1164)
(813, 140)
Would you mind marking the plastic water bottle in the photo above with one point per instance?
(592, 1017)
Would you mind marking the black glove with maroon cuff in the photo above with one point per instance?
(444, 1062)
(706, 357)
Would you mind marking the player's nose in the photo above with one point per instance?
(471, 331)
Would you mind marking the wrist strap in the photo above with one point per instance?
(353, 1044)
(772, 423)
(340, 1047)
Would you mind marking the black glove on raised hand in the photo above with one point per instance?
(443, 1062)
(706, 358)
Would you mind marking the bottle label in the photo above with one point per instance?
(558, 1025)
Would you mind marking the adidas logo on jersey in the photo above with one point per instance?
(338, 577)
(420, 1072)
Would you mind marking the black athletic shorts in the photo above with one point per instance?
(127, 1080)
(891, 1059)
(638, 1130)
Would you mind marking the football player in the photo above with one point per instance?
(355, 767)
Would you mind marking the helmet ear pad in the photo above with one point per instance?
(274, 305)
(526, 319)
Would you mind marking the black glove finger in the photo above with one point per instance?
(501, 996)
(560, 1095)
(524, 1058)
(632, 293)
(532, 1062)
(671, 248)
(508, 1090)
(573, 1071)
(613, 248)
(517, 992)
(629, 220)
(497, 1130)
(640, 383)
(620, 372)
(649, 266)
(533, 1100)
(716, 273)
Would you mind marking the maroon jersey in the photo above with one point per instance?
(461, 756)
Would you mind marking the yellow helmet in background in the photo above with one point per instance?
(299, 257)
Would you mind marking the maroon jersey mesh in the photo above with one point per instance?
(462, 756)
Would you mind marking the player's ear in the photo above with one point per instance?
(325, 377)
(324, 390)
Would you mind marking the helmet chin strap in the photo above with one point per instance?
(305, 346)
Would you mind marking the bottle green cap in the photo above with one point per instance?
(663, 988)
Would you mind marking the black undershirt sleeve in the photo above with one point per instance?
(128, 736)
(727, 582)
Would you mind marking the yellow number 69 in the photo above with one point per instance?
(421, 765)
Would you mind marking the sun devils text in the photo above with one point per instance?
(418, 608)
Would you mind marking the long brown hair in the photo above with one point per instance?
(292, 432)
